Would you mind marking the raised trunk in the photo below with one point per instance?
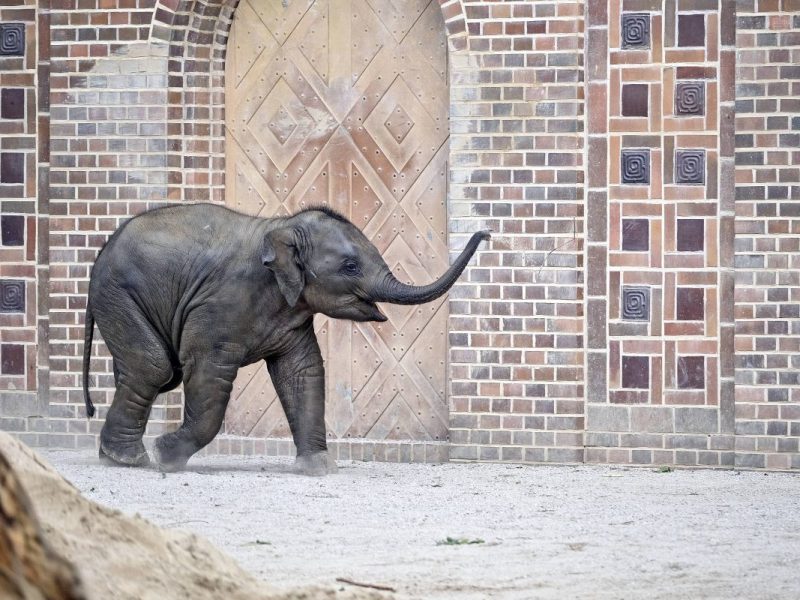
(395, 292)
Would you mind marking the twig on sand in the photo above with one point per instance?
(383, 588)
(176, 523)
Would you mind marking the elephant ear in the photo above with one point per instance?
(281, 253)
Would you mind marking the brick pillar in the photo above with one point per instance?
(659, 260)
(768, 234)
(516, 325)
(23, 198)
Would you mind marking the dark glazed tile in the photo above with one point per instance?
(635, 303)
(691, 235)
(690, 166)
(12, 39)
(691, 372)
(635, 165)
(635, 100)
(12, 103)
(636, 372)
(636, 235)
(690, 304)
(12, 296)
(691, 30)
(690, 98)
(12, 359)
(12, 167)
(13, 228)
(635, 30)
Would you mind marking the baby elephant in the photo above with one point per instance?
(191, 293)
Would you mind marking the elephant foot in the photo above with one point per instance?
(129, 455)
(171, 452)
(316, 464)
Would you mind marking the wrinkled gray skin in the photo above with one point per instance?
(191, 293)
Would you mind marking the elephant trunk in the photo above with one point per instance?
(395, 292)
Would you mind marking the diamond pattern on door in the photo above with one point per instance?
(349, 108)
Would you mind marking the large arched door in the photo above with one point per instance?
(345, 103)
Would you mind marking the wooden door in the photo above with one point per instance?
(345, 103)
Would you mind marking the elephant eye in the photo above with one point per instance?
(350, 267)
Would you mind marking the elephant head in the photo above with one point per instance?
(321, 256)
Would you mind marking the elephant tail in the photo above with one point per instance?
(87, 355)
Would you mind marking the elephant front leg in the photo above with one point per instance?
(299, 379)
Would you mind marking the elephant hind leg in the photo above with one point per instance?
(207, 388)
(141, 368)
(121, 437)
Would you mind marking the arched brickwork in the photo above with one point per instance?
(454, 21)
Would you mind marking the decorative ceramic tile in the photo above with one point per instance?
(12, 103)
(690, 166)
(690, 304)
(12, 295)
(636, 235)
(691, 235)
(635, 166)
(12, 39)
(691, 372)
(13, 230)
(12, 359)
(635, 303)
(635, 30)
(690, 98)
(692, 30)
(12, 167)
(635, 99)
(636, 372)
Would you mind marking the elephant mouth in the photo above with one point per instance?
(367, 308)
(375, 313)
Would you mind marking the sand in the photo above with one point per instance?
(127, 557)
(547, 532)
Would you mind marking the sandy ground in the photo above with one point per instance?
(55, 543)
(547, 532)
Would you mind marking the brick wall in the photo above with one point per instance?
(124, 110)
(768, 234)
(23, 202)
(516, 144)
(524, 169)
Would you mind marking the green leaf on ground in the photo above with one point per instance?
(462, 541)
(664, 469)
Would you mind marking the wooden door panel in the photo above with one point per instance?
(348, 107)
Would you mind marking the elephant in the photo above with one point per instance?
(191, 293)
